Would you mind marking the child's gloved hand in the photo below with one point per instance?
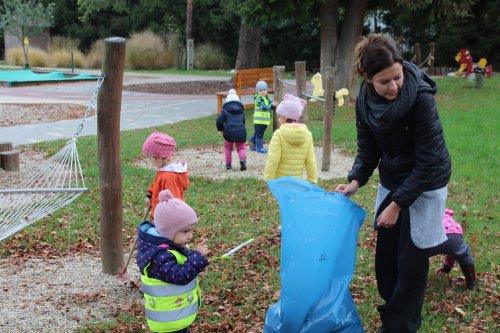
(202, 248)
(275, 103)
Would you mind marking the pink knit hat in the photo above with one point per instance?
(159, 145)
(172, 215)
(291, 107)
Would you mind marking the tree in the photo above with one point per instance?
(25, 19)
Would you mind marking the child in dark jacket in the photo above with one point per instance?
(168, 268)
(231, 123)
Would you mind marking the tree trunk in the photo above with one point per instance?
(25, 51)
(350, 33)
(248, 46)
(189, 19)
(328, 13)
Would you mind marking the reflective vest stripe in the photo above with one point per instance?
(162, 290)
(172, 315)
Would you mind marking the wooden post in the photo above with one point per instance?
(328, 117)
(432, 52)
(300, 80)
(108, 139)
(189, 35)
(278, 90)
(190, 54)
(5, 146)
(9, 160)
(418, 54)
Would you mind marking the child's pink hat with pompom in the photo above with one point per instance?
(172, 215)
(159, 145)
(291, 107)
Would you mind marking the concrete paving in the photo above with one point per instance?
(139, 110)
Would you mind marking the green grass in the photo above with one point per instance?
(235, 210)
(177, 71)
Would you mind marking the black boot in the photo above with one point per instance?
(228, 166)
(469, 272)
(243, 165)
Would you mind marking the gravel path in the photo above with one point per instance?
(20, 114)
(60, 295)
(208, 162)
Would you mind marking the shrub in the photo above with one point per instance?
(62, 58)
(209, 56)
(94, 58)
(145, 50)
(58, 43)
(36, 57)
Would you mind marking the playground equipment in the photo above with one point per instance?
(48, 187)
(468, 70)
(330, 96)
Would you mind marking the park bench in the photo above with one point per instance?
(244, 81)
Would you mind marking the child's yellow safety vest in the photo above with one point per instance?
(170, 307)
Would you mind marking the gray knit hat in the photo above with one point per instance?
(261, 85)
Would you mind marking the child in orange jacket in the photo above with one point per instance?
(169, 175)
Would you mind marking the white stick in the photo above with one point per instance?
(236, 249)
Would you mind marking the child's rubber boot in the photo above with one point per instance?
(243, 165)
(259, 143)
(252, 143)
(228, 167)
(448, 263)
(469, 272)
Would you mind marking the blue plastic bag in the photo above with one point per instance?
(319, 233)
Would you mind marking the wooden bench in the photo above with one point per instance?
(244, 81)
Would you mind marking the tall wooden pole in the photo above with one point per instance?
(108, 140)
(300, 80)
(432, 54)
(189, 35)
(278, 72)
(328, 116)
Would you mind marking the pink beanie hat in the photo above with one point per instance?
(159, 145)
(172, 215)
(291, 107)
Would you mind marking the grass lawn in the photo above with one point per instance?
(237, 293)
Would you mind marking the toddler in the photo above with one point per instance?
(262, 116)
(455, 248)
(291, 147)
(169, 175)
(168, 268)
(231, 123)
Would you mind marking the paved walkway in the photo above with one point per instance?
(139, 110)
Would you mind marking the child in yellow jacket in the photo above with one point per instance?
(291, 147)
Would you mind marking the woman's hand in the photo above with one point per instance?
(389, 216)
(348, 189)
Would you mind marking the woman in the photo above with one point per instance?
(398, 130)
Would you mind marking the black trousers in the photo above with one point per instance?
(401, 270)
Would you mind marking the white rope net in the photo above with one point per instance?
(46, 188)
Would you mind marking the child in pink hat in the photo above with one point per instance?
(455, 249)
(291, 149)
(160, 148)
(169, 270)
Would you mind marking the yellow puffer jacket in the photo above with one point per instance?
(291, 148)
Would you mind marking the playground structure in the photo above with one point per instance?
(469, 70)
(330, 96)
(429, 59)
(26, 76)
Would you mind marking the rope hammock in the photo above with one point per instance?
(46, 188)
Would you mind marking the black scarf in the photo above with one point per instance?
(381, 114)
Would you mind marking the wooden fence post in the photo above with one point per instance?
(108, 139)
(278, 90)
(300, 80)
(432, 54)
(418, 54)
(328, 117)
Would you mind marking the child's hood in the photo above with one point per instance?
(295, 134)
(149, 245)
(177, 167)
(233, 107)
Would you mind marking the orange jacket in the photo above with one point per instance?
(173, 177)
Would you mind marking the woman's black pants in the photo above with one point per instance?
(401, 270)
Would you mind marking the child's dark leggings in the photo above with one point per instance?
(259, 131)
(455, 247)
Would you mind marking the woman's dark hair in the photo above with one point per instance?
(374, 53)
